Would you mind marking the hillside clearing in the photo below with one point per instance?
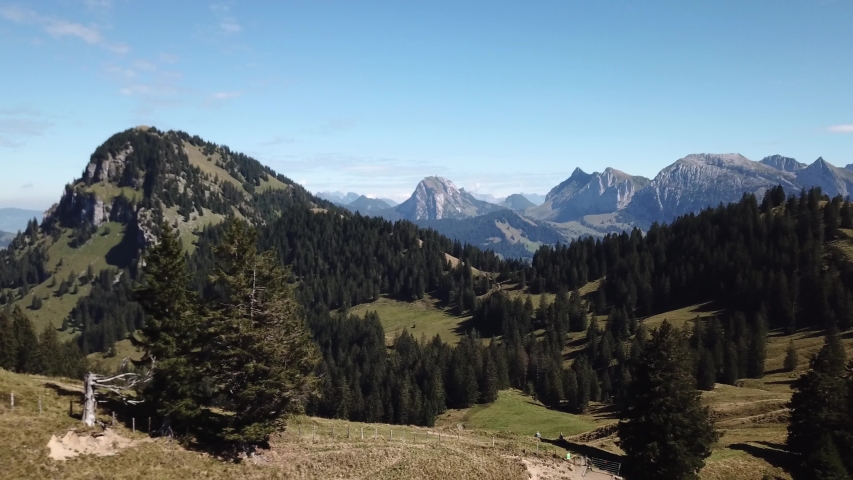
(423, 317)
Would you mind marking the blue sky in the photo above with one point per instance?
(500, 97)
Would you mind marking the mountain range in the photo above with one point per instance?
(597, 203)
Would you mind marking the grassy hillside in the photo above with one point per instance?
(65, 260)
(309, 448)
(424, 317)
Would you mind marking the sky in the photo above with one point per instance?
(499, 96)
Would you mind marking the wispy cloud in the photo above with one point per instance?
(227, 23)
(841, 128)
(17, 124)
(60, 28)
(278, 140)
(332, 127)
(226, 95)
(98, 4)
(27, 186)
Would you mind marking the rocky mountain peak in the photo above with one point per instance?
(436, 197)
(786, 164)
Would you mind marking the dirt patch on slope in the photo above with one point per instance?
(73, 444)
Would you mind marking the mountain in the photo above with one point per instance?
(701, 180)
(517, 202)
(508, 233)
(488, 197)
(589, 194)
(786, 164)
(132, 183)
(390, 202)
(339, 198)
(831, 179)
(436, 198)
(536, 198)
(5, 238)
(15, 219)
(365, 205)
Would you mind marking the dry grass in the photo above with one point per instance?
(413, 452)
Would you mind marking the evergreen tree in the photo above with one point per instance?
(27, 358)
(666, 433)
(791, 357)
(820, 406)
(825, 462)
(169, 336)
(258, 351)
(8, 343)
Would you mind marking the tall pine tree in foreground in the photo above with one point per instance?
(665, 431)
(258, 352)
(820, 412)
(170, 333)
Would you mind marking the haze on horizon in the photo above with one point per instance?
(370, 97)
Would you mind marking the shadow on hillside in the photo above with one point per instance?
(781, 382)
(122, 255)
(773, 453)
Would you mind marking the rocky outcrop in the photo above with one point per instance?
(77, 208)
(589, 194)
(109, 168)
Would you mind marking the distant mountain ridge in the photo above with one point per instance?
(14, 219)
(365, 205)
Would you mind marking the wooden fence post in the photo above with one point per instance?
(314, 434)
(348, 435)
(375, 433)
(114, 417)
(70, 408)
(12, 400)
(362, 433)
(391, 436)
(39, 405)
(493, 441)
(149, 424)
(134, 424)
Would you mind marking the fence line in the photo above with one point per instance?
(405, 435)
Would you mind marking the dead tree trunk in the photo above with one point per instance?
(117, 384)
(89, 400)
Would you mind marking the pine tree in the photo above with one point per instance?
(707, 373)
(258, 351)
(825, 462)
(791, 357)
(8, 343)
(666, 432)
(27, 357)
(819, 405)
(170, 333)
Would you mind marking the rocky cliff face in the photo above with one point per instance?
(702, 180)
(785, 164)
(436, 198)
(589, 194)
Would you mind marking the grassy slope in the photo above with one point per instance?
(76, 260)
(426, 316)
(514, 412)
(414, 453)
